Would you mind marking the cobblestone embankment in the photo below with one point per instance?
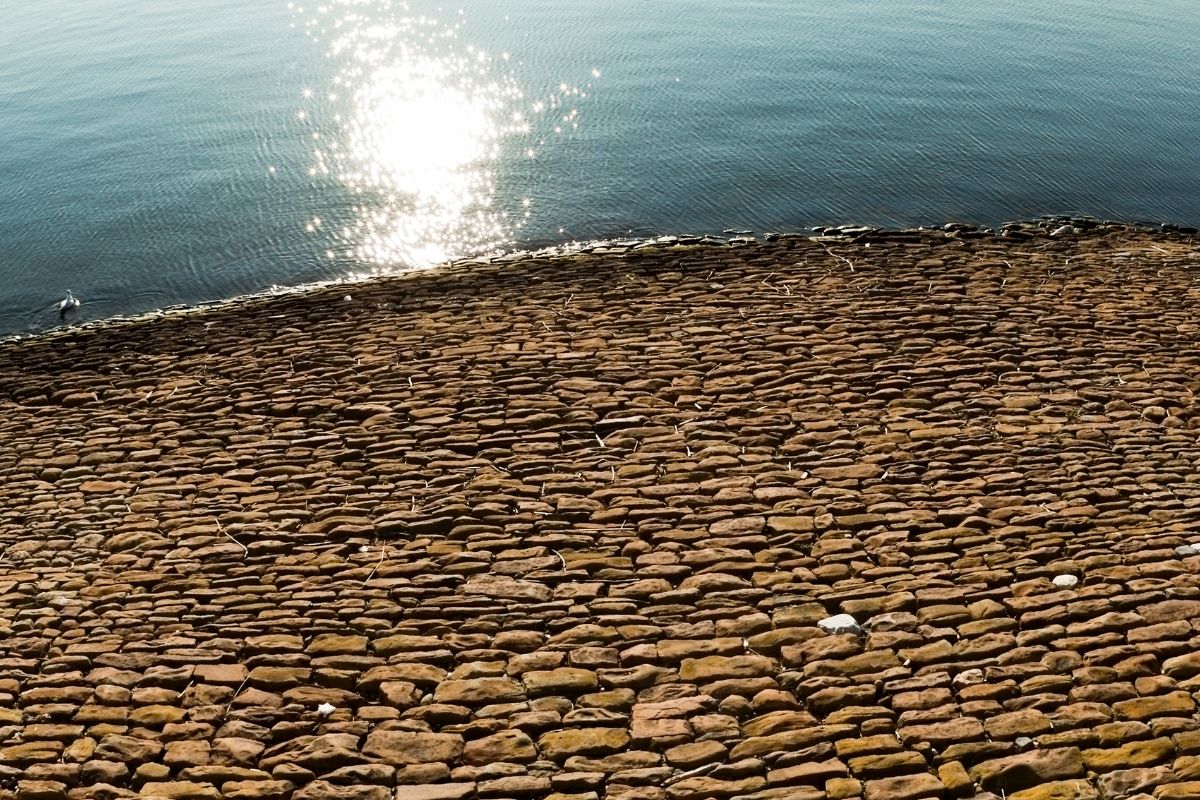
(567, 527)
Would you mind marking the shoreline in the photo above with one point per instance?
(909, 517)
(1006, 233)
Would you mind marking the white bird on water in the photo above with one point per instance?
(67, 305)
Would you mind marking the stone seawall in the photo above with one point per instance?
(573, 528)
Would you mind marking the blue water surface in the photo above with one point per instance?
(153, 154)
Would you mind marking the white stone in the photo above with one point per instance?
(325, 709)
(839, 623)
(968, 677)
(1187, 550)
(1065, 581)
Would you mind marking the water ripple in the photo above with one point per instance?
(167, 153)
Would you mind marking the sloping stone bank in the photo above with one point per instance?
(566, 527)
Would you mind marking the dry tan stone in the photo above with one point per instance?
(127, 749)
(757, 746)
(714, 668)
(503, 588)
(435, 791)
(1058, 790)
(479, 691)
(694, 754)
(1125, 782)
(33, 789)
(1027, 770)
(905, 787)
(700, 788)
(325, 790)
(514, 746)
(405, 747)
(564, 680)
(257, 790)
(1175, 704)
(1132, 754)
(563, 744)
(813, 773)
(179, 790)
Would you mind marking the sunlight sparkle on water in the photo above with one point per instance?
(419, 134)
(418, 126)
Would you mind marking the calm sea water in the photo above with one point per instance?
(161, 153)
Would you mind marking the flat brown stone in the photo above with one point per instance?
(405, 747)
(179, 790)
(713, 668)
(1027, 770)
(513, 746)
(588, 742)
(479, 691)
(905, 787)
(434, 791)
(1175, 704)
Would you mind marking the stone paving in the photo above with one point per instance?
(573, 527)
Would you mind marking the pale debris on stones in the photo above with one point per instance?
(840, 623)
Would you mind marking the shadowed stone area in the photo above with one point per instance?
(567, 527)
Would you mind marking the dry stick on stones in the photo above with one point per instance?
(843, 259)
(241, 686)
(378, 564)
(221, 528)
(697, 771)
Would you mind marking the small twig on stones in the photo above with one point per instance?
(241, 686)
(221, 528)
(378, 564)
(697, 771)
(843, 259)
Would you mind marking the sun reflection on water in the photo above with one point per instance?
(418, 124)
